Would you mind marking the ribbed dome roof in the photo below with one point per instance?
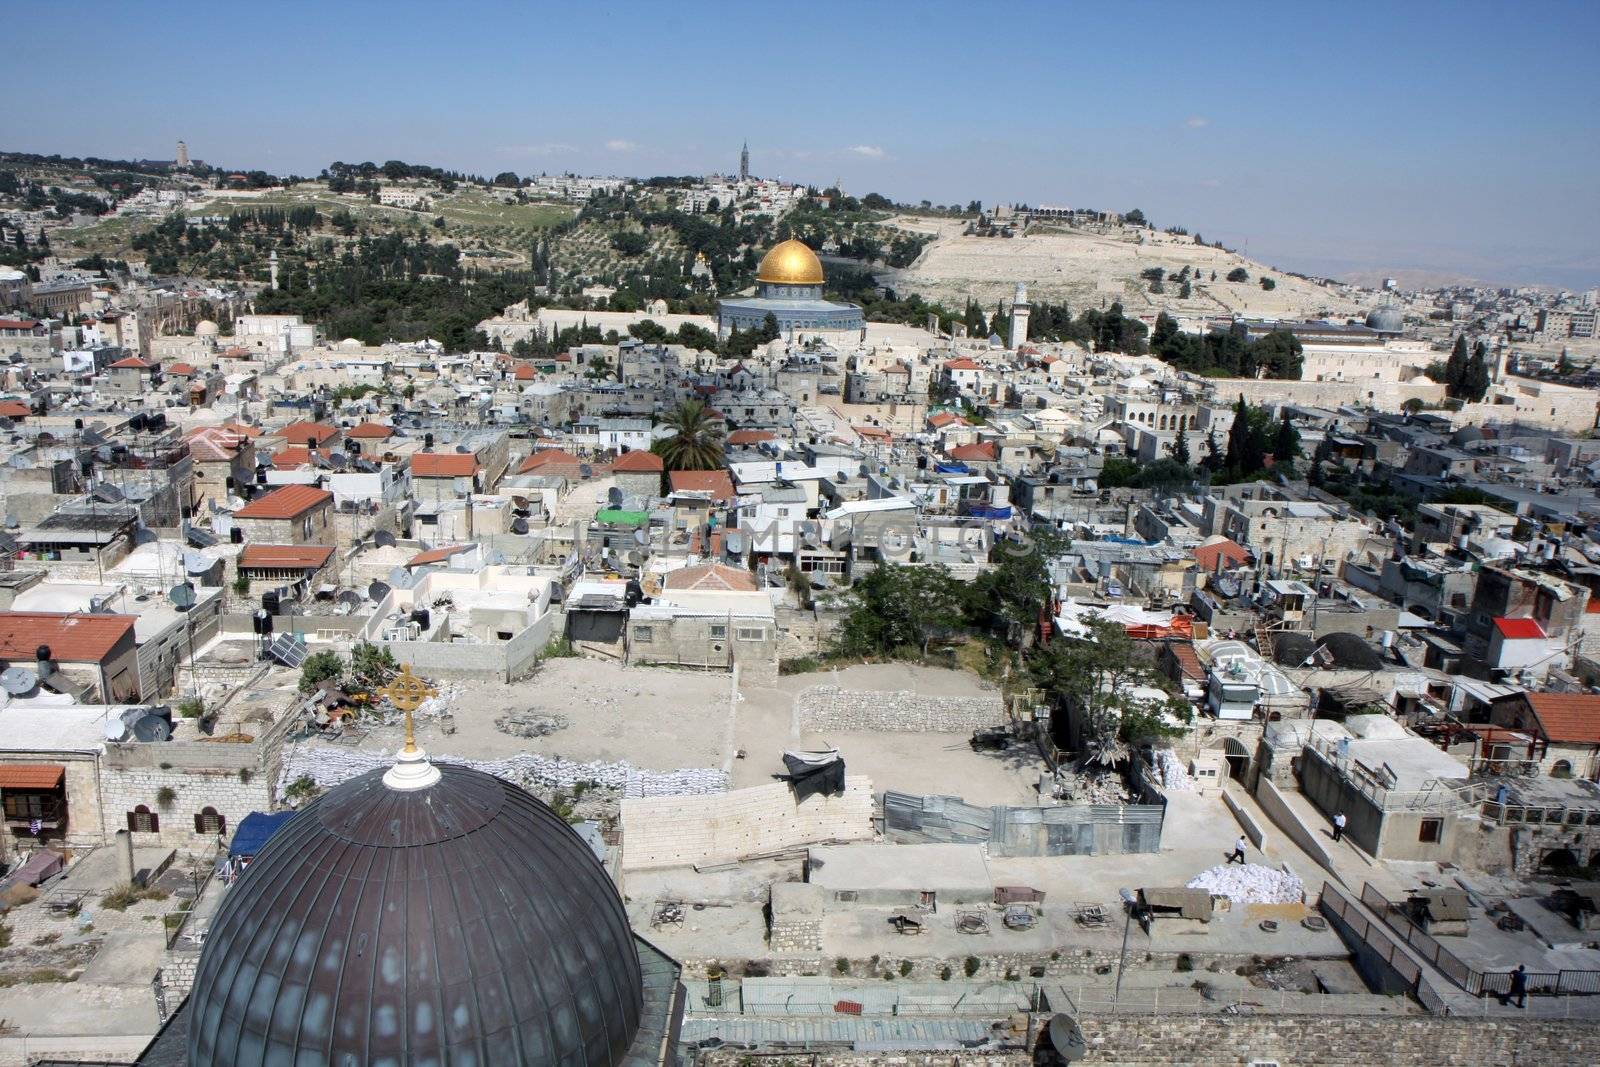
(462, 924)
(1386, 319)
(790, 263)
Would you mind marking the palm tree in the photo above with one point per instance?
(697, 444)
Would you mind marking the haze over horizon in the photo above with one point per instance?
(1437, 138)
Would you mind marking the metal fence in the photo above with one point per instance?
(1341, 907)
(1478, 983)
(1067, 830)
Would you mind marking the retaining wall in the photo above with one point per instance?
(831, 707)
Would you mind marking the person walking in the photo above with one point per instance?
(1519, 986)
(1238, 850)
(1338, 825)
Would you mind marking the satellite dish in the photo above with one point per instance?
(614, 497)
(1067, 1038)
(107, 493)
(384, 539)
(462, 450)
(20, 462)
(519, 526)
(195, 563)
(377, 591)
(145, 536)
(7, 424)
(117, 729)
(18, 681)
(350, 598)
(339, 459)
(400, 578)
(641, 536)
(182, 596)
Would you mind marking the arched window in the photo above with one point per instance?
(1561, 769)
(144, 821)
(210, 823)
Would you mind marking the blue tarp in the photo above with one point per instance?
(255, 830)
(950, 468)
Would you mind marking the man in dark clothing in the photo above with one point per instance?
(1519, 986)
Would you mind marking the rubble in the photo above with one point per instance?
(531, 724)
(1250, 884)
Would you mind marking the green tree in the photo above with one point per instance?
(1096, 676)
(1475, 378)
(698, 443)
(1135, 218)
(1455, 368)
(320, 668)
(1238, 274)
(371, 666)
(1180, 447)
(1268, 284)
(1287, 445)
(897, 608)
(1017, 584)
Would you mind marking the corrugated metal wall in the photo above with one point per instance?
(1068, 830)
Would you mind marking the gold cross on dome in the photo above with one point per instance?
(407, 692)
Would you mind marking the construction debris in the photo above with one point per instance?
(1174, 777)
(531, 724)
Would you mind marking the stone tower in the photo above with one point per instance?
(744, 162)
(1019, 317)
(182, 158)
(272, 265)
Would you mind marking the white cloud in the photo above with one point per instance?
(867, 151)
(1196, 122)
(617, 144)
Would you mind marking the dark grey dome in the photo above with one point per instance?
(1386, 319)
(460, 925)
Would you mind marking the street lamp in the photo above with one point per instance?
(1130, 904)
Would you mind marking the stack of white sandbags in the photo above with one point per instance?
(1250, 884)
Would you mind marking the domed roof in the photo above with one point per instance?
(205, 328)
(790, 263)
(1386, 319)
(430, 915)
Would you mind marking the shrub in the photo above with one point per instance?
(799, 665)
(1185, 962)
(318, 668)
(302, 788)
(166, 795)
(944, 973)
(192, 708)
(905, 968)
(841, 966)
(124, 896)
(971, 966)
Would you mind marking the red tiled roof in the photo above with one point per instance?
(307, 433)
(182, 370)
(285, 503)
(1220, 556)
(14, 409)
(211, 443)
(945, 418)
(31, 775)
(18, 324)
(292, 456)
(872, 431)
(1188, 663)
(444, 465)
(74, 637)
(717, 483)
(961, 364)
(751, 437)
(133, 363)
(711, 577)
(638, 462)
(1569, 718)
(251, 432)
(286, 557)
(980, 453)
(370, 431)
(525, 372)
(1519, 629)
(550, 460)
(436, 555)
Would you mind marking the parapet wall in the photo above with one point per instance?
(832, 707)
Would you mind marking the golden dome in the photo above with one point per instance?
(790, 263)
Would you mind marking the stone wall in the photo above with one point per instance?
(1239, 1040)
(233, 793)
(832, 707)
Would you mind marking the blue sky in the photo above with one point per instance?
(1459, 137)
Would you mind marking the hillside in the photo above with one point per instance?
(1087, 269)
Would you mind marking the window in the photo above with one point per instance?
(752, 633)
(1431, 831)
(210, 823)
(718, 630)
(1561, 769)
(643, 634)
(144, 821)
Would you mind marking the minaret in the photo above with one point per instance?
(1019, 317)
(272, 264)
(744, 162)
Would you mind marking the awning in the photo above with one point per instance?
(31, 775)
